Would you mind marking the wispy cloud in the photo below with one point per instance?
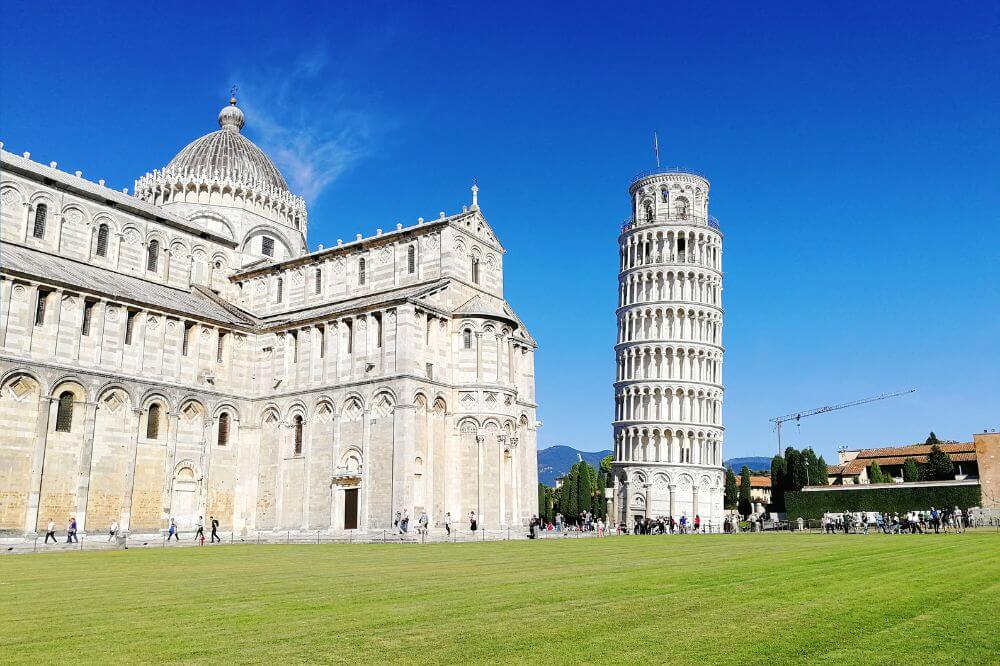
(305, 120)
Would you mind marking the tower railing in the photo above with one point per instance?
(663, 171)
(709, 221)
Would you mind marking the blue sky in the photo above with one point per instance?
(852, 149)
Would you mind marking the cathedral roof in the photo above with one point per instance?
(20, 260)
(229, 154)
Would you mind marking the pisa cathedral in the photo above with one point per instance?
(179, 352)
(668, 386)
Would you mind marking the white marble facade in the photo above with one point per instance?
(668, 383)
(179, 352)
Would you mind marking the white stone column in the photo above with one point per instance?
(38, 463)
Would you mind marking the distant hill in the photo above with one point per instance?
(556, 461)
(755, 463)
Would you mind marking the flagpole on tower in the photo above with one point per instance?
(656, 149)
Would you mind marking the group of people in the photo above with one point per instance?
(50, 531)
(669, 525)
(913, 522)
(401, 523)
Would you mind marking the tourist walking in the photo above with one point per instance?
(201, 529)
(697, 523)
(172, 531)
(447, 523)
(71, 531)
(214, 522)
(50, 532)
(113, 530)
(473, 523)
(404, 522)
(422, 522)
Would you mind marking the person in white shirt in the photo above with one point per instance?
(113, 530)
(50, 532)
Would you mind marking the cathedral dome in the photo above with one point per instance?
(228, 154)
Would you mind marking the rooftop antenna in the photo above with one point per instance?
(656, 149)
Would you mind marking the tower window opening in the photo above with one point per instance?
(319, 280)
(649, 211)
(411, 259)
(280, 290)
(664, 195)
(321, 340)
(378, 329)
(295, 346)
(361, 271)
(267, 246)
(41, 214)
(349, 329)
(467, 339)
(475, 270)
(220, 347)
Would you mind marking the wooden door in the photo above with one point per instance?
(351, 509)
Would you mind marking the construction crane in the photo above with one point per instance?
(798, 416)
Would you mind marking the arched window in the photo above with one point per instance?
(41, 213)
(281, 290)
(467, 339)
(411, 259)
(267, 246)
(298, 435)
(649, 211)
(681, 207)
(664, 195)
(223, 429)
(153, 421)
(319, 280)
(102, 240)
(361, 271)
(475, 270)
(64, 414)
(153, 255)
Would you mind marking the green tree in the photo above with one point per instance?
(875, 474)
(812, 467)
(939, 467)
(796, 473)
(606, 464)
(732, 492)
(932, 439)
(911, 470)
(744, 505)
(778, 483)
(822, 479)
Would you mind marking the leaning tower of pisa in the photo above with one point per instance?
(668, 383)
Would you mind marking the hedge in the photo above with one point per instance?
(898, 499)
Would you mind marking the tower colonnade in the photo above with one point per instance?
(668, 427)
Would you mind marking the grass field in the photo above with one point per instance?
(778, 598)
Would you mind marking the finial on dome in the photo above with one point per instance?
(231, 117)
(475, 193)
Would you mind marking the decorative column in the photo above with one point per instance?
(648, 495)
(133, 452)
(38, 464)
(86, 465)
(673, 493)
(480, 445)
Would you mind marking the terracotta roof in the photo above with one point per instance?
(760, 482)
(916, 450)
(855, 466)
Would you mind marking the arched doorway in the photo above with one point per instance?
(184, 498)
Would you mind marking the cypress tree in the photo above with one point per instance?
(745, 505)
(778, 483)
(932, 439)
(732, 491)
(822, 479)
(812, 468)
(569, 504)
(796, 474)
(875, 474)
(911, 470)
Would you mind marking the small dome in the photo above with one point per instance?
(228, 153)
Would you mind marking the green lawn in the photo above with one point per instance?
(768, 598)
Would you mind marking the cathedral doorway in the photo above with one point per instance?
(351, 509)
(184, 499)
